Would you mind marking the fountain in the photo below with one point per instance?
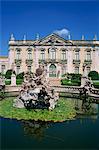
(36, 92)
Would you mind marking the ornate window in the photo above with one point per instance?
(17, 69)
(52, 53)
(18, 51)
(64, 54)
(42, 55)
(76, 69)
(88, 55)
(64, 69)
(2, 68)
(52, 70)
(29, 53)
(87, 70)
(76, 55)
(29, 68)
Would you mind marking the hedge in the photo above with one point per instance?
(20, 75)
(94, 75)
(8, 74)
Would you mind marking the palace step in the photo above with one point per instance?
(54, 81)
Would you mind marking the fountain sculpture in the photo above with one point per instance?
(36, 92)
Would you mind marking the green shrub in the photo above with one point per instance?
(9, 73)
(8, 82)
(96, 85)
(72, 83)
(94, 75)
(19, 81)
(20, 75)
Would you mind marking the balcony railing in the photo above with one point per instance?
(63, 61)
(42, 61)
(29, 61)
(53, 61)
(18, 61)
(88, 61)
(76, 61)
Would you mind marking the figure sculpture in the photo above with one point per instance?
(36, 92)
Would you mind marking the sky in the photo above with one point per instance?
(45, 17)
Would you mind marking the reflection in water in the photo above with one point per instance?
(85, 106)
(35, 128)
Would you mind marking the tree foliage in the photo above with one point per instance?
(94, 75)
(20, 75)
(9, 73)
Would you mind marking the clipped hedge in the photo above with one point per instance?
(19, 81)
(72, 83)
(96, 85)
(8, 82)
(94, 75)
(9, 73)
(20, 75)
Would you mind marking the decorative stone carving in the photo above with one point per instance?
(76, 61)
(18, 62)
(13, 79)
(36, 92)
(29, 62)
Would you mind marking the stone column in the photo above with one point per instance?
(13, 79)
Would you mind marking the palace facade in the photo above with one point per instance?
(58, 55)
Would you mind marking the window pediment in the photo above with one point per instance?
(18, 49)
(88, 49)
(29, 49)
(76, 49)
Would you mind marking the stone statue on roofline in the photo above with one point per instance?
(35, 92)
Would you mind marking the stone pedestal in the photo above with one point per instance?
(83, 81)
(13, 79)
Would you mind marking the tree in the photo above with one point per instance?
(94, 75)
(9, 73)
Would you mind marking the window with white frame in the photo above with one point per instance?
(76, 69)
(18, 69)
(76, 55)
(42, 55)
(29, 54)
(88, 69)
(18, 54)
(2, 68)
(63, 55)
(52, 53)
(88, 55)
(29, 68)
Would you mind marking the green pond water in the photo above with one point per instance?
(78, 134)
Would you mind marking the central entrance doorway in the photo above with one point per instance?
(52, 70)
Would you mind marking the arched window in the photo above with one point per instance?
(52, 53)
(29, 68)
(52, 70)
(17, 69)
(76, 69)
(88, 69)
